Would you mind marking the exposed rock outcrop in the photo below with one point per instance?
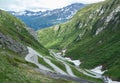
(11, 44)
(56, 27)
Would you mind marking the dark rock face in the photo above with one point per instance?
(8, 42)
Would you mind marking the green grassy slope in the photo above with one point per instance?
(13, 67)
(14, 28)
(79, 36)
(60, 36)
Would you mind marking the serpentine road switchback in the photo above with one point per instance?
(33, 56)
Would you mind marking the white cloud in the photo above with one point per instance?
(85, 1)
(21, 5)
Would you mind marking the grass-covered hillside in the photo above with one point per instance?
(15, 29)
(24, 59)
(14, 39)
(92, 35)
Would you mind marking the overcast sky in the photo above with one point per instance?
(36, 5)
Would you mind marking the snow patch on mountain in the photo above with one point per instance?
(98, 70)
(49, 17)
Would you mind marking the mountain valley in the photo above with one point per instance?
(92, 36)
(81, 49)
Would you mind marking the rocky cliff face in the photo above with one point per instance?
(7, 42)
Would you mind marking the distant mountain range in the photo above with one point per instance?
(38, 20)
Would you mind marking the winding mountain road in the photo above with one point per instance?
(32, 57)
(61, 59)
(57, 69)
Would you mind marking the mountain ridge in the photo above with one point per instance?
(38, 20)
